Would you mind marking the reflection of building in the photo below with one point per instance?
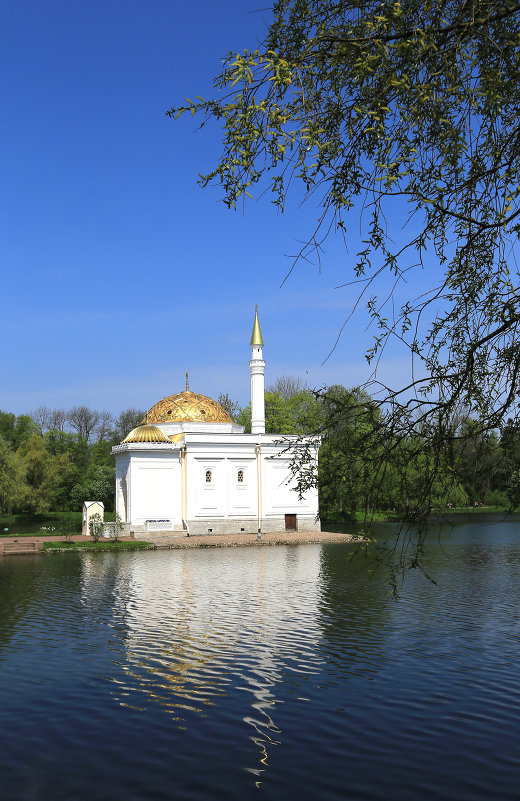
(223, 635)
(198, 623)
(189, 467)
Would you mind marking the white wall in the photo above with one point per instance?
(224, 496)
(279, 495)
(242, 496)
(156, 487)
(154, 480)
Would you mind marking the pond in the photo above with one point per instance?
(266, 673)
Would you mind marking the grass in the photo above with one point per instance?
(471, 510)
(72, 520)
(378, 516)
(37, 534)
(128, 545)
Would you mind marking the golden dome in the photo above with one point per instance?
(187, 407)
(146, 433)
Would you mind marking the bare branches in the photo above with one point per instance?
(83, 420)
(381, 110)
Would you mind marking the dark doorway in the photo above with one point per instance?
(290, 523)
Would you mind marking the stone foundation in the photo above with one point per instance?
(220, 526)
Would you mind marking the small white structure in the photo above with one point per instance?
(91, 508)
(188, 467)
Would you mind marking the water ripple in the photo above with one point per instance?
(202, 674)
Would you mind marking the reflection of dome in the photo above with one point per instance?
(187, 407)
(146, 433)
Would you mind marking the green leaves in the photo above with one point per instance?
(364, 108)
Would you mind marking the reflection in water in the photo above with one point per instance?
(199, 674)
(354, 608)
(201, 623)
(25, 583)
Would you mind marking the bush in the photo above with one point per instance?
(67, 524)
(495, 498)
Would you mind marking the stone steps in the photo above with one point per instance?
(15, 548)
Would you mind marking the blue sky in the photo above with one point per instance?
(119, 273)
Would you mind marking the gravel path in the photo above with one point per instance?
(236, 540)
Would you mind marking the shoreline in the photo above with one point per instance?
(170, 542)
(240, 540)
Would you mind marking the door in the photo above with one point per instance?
(290, 523)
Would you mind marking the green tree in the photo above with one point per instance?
(16, 429)
(513, 489)
(79, 455)
(45, 475)
(350, 455)
(480, 463)
(97, 482)
(12, 477)
(299, 413)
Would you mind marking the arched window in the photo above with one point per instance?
(209, 477)
(240, 477)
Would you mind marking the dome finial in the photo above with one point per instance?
(187, 384)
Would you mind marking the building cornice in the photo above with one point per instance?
(145, 446)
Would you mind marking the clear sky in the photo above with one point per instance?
(119, 273)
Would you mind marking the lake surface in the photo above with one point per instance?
(269, 673)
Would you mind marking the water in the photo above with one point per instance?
(264, 673)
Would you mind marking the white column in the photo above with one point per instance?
(257, 368)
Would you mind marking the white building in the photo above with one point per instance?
(189, 468)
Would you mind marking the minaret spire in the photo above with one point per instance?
(257, 368)
(187, 384)
(256, 336)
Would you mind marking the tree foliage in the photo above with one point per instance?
(382, 108)
(229, 405)
(299, 413)
(375, 103)
(12, 477)
(45, 475)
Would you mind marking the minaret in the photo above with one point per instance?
(257, 367)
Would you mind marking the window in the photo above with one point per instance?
(240, 477)
(209, 477)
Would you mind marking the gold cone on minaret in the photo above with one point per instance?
(256, 336)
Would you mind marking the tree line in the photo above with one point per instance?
(367, 464)
(54, 459)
